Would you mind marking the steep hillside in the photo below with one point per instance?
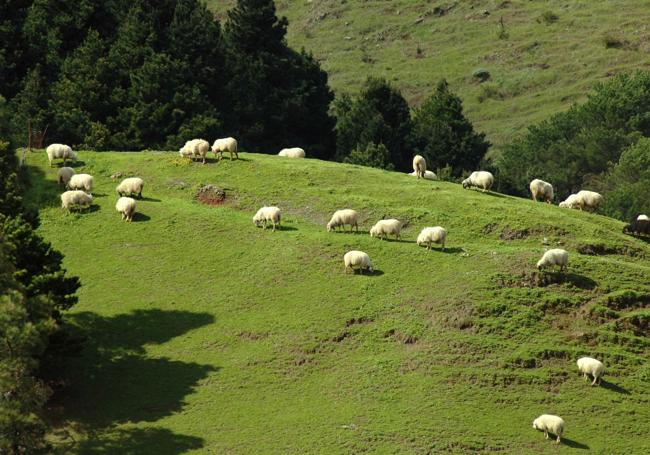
(549, 56)
(209, 335)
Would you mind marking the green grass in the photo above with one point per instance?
(209, 335)
(554, 53)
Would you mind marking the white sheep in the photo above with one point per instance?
(357, 260)
(591, 367)
(126, 206)
(556, 256)
(343, 217)
(60, 151)
(419, 166)
(130, 186)
(550, 424)
(541, 190)
(64, 175)
(430, 235)
(81, 182)
(73, 198)
(570, 202)
(195, 148)
(267, 214)
(428, 175)
(227, 144)
(588, 200)
(383, 228)
(642, 218)
(480, 179)
(295, 152)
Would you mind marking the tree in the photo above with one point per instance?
(379, 115)
(373, 156)
(444, 136)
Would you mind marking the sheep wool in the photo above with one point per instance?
(64, 175)
(81, 182)
(266, 215)
(550, 424)
(384, 228)
(357, 260)
(588, 200)
(126, 206)
(227, 144)
(570, 202)
(479, 179)
(428, 175)
(342, 218)
(430, 235)
(195, 148)
(295, 152)
(71, 199)
(591, 367)
(130, 186)
(419, 166)
(556, 256)
(60, 151)
(541, 190)
(642, 218)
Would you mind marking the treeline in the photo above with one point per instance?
(34, 290)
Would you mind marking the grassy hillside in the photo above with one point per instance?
(209, 335)
(553, 53)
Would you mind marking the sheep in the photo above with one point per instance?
(126, 206)
(550, 424)
(570, 202)
(642, 218)
(195, 148)
(588, 200)
(428, 175)
(60, 151)
(295, 152)
(591, 367)
(419, 166)
(383, 228)
(357, 260)
(638, 226)
(228, 144)
(480, 179)
(130, 186)
(69, 199)
(266, 214)
(541, 190)
(343, 217)
(64, 175)
(556, 256)
(430, 235)
(81, 182)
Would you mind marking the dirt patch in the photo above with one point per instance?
(625, 299)
(359, 320)
(252, 335)
(537, 279)
(638, 324)
(508, 233)
(341, 336)
(401, 337)
(211, 195)
(601, 249)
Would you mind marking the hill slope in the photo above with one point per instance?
(208, 335)
(554, 52)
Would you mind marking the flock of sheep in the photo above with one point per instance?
(79, 187)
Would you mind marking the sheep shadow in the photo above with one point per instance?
(453, 250)
(83, 210)
(99, 195)
(140, 217)
(140, 441)
(613, 387)
(579, 281)
(491, 193)
(72, 164)
(148, 199)
(374, 273)
(227, 158)
(574, 444)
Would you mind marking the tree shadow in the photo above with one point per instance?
(43, 192)
(574, 444)
(154, 441)
(114, 381)
(140, 217)
(613, 387)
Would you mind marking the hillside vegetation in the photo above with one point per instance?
(548, 57)
(209, 335)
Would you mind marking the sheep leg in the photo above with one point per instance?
(443, 246)
(558, 439)
(545, 434)
(594, 381)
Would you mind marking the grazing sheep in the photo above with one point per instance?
(480, 179)
(357, 260)
(570, 202)
(430, 235)
(73, 198)
(126, 206)
(60, 151)
(81, 182)
(130, 186)
(343, 217)
(383, 228)
(588, 200)
(638, 226)
(642, 218)
(195, 148)
(428, 175)
(541, 190)
(227, 144)
(591, 367)
(556, 256)
(549, 424)
(295, 152)
(64, 175)
(419, 166)
(266, 214)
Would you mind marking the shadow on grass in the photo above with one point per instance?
(574, 444)
(278, 228)
(375, 273)
(613, 387)
(580, 281)
(114, 381)
(148, 199)
(158, 441)
(227, 158)
(140, 217)
(447, 250)
(490, 193)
